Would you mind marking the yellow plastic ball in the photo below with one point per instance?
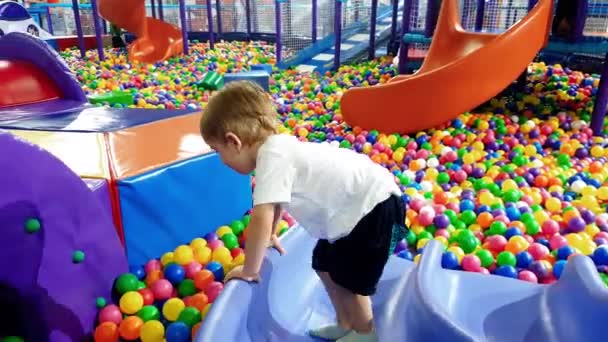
(591, 230)
(553, 204)
(421, 243)
(239, 260)
(166, 258)
(202, 255)
(486, 198)
(588, 191)
(172, 308)
(221, 255)
(597, 151)
(131, 302)
(457, 251)
(223, 230)
(152, 331)
(206, 310)
(183, 255)
(541, 216)
(509, 184)
(602, 193)
(417, 258)
(442, 239)
(198, 243)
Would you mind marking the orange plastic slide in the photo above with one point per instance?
(461, 71)
(156, 39)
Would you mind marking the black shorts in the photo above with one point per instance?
(357, 260)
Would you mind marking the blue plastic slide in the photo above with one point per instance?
(414, 303)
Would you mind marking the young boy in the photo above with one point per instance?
(352, 205)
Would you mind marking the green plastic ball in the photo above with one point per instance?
(190, 315)
(485, 256)
(148, 313)
(237, 227)
(78, 257)
(100, 302)
(506, 258)
(126, 282)
(32, 225)
(230, 240)
(186, 288)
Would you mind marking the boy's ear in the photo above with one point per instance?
(233, 139)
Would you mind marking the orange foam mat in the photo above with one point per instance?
(83, 153)
(140, 149)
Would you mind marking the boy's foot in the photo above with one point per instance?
(329, 332)
(354, 336)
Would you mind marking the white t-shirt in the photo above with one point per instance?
(325, 188)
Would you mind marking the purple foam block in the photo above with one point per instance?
(45, 294)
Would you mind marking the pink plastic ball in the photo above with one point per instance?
(213, 290)
(416, 204)
(557, 241)
(110, 313)
(192, 269)
(471, 263)
(538, 251)
(213, 245)
(152, 265)
(162, 289)
(442, 232)
(528, 276)
(426, 216)
(496, 243)
(601, 235)
(484, 270)
(550, 227)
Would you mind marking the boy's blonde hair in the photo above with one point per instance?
(243, 108)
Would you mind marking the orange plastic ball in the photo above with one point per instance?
(106, 332)
(202, 279)
(198, 301)
(130, 327)
(484, 219)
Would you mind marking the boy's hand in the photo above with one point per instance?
(237, 273)
(276, 244)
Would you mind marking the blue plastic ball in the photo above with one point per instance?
(524, 259)
(138, 271)
(175, 273)
(216, 268)
(449, 261)
(512, 232)
(600, 255)
(558, 268)
(405, 254)
(564, 252)
(178, 332)
(506, 271)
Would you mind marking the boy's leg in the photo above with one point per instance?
(360, 310)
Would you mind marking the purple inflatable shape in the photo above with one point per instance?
(24, 47)
(47, 217)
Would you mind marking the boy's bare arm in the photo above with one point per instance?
(259, 233)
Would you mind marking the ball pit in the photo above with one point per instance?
(167, 298)
(514, 189)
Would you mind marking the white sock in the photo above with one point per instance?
(354, 336)
(329, 332)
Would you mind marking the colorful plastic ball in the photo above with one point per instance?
(126, 282)
(223, 230)
(175, 273)
(162, 289)
(471, 263)
(203, 278)
(152, 331)
(172, 308)
(130, 328)
(564, 252)
(131, 302)
(600, 256)
(213, 290)
(215, 244)
(138, 271)
(506, 271)
(167, 258)
(539, 269)
(192, 268)
(528, 276)
(147, 295)
(485, 257)
(198, 243)
(524, 259)
(237, 227)
(183, 255)
(230, 240)
(538, 251)
(199, 301)
(202, 255)
(559, 267)
(178, 332)
(506, 259)
(110, 313)
(186, 288)
(152, 265)
(407, 255)
(106, 332)
(148, 313)
(217, 269)
(190, 316)
(449, 260)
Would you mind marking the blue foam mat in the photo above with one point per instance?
(413, 303)
(171, 206)
(86, 118)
